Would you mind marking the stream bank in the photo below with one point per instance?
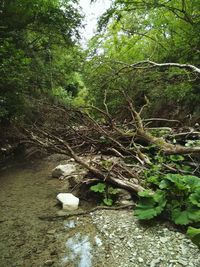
(102, 238)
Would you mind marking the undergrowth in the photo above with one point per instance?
(174, 195)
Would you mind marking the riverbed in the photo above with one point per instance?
(98, 239)
(27, 192)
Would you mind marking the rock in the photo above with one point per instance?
(155, 262)
(68, 200)
(163, 239)
(51, 232)
(48, 262)
(183, 262)
(126, 202)
(124, 197)
(140, 260)
(63, 170)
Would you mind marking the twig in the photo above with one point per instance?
(82, 213)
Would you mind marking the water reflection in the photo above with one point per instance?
(79, 250)
(69, 224)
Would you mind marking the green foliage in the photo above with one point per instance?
(194, 234)
(38, 53)
(195, 198)
(154, 174)
(176, 158)
(177, 196)
(151, 204)
(182, 195)
(100, 187)
(107, 192)
(108, 201)
(162, 31)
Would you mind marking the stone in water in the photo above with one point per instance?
(68, 200)
(63, 170)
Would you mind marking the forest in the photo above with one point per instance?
(132, 94)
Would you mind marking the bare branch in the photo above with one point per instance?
(145, 64)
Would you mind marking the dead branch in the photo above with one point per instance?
(160, 119)
(83, 213)
(147, 63)
(147, 137)
(65, 148)
(190, 134)
(123, 140)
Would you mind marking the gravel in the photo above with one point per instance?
(130, 243)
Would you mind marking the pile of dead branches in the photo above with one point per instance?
(75, 132)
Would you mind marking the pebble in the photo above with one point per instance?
(173, 261)
(191, 264)
(163, 239)
(156, 247)
(51, 232)
(49, 262)
(140, 260)
(183, 262)
(154, 262)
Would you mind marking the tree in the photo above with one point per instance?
(161, 31)
(35, 36)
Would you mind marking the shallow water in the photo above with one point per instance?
(100, 239)
(27, 192)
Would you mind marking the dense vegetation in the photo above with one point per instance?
(40, 57)
(46, 75)
(161, 31)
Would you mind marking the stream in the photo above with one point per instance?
(98, 239)
(27, 191)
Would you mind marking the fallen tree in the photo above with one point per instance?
(80, 133)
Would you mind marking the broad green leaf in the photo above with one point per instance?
(176, 179)
(194, 213)
(108, 201)
(180, 217)
(100, 187)
(186, 168)
(195, 198)
(193, 182)
(146, 214)
(153, 179)
(176, 158)
(194, 234)
(183, 182)
(146, 193)
(112, 191)
(189, 215)
(151, 204)
(165, 184)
